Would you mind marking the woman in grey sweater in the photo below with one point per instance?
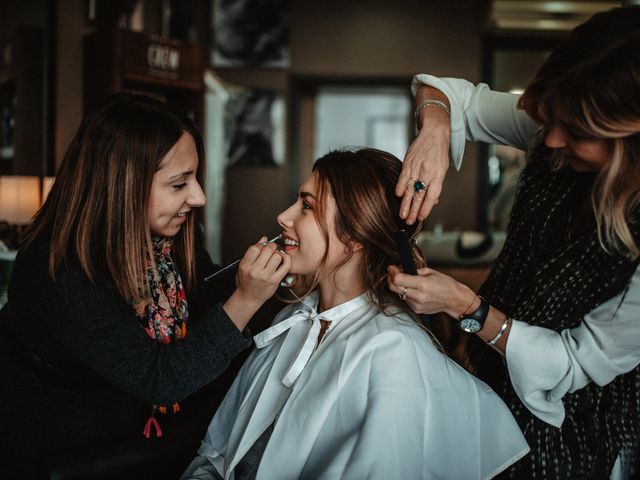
(109, 323)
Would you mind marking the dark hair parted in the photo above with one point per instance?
(97, 209)
(593, 76)
(362, 183)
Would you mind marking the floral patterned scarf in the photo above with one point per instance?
(165, 316)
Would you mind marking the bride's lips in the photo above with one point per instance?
(288, 243)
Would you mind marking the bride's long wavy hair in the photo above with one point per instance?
(362, 183)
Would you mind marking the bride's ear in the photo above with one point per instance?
(355, 246)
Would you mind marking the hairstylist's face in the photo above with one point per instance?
(303, 238)
(175, 190)
(584, 154)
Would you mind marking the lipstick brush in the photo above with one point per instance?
(236, 262)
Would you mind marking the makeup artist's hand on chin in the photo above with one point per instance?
(430, 291)
(260, 272)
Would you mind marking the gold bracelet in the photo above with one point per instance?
(466, 310)
(503, 328)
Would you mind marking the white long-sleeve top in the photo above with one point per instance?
(375, 399)
(543, 364)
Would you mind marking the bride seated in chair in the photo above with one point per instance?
(346, 383)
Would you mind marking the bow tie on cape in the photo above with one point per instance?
(305, 312)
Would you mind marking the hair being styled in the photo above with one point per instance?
(594, 77)
(97, 209)
(363, 184)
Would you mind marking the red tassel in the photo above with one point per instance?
(147, 428)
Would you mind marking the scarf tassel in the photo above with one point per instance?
(175, 408)
(183, 331)
(147, 427)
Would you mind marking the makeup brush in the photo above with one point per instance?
(236, 262)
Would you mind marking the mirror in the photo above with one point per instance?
(509, 64)
(378, 117)
(379, 113)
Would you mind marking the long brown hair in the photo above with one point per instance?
(594, 76)
(97, 209)
(362, 182)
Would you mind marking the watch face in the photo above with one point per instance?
(470, 325)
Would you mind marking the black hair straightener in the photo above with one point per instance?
(408, 265)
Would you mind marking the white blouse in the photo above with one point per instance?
(543, 364)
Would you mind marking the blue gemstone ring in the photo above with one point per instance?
(419, 185)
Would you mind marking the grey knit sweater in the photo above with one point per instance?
(76, 366)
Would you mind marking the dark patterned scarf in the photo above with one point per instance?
(166, 314)
(551, 272)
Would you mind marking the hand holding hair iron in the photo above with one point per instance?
(408, 265)
(404, 250)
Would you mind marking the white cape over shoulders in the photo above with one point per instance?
(376, 399)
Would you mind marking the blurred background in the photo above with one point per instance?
(272, 84)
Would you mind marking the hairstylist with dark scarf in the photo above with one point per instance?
(562, 303)
(109, 323)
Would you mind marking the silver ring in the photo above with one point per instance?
(403, 295)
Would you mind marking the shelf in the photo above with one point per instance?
(122, 60)
(22, 90)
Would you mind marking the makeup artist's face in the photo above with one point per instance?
(175, 190)
(303, 238)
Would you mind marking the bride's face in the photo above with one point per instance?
(303, 238)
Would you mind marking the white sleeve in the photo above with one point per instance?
(544, 365)
(480, 114)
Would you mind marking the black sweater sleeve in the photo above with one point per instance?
(104, 333)
(93, 324)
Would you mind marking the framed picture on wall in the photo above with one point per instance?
(250, 33)
(255, 128)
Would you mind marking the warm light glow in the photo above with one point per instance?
(19, 198)
(47, 183)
